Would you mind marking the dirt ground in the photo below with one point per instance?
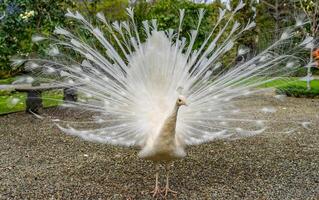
(39, 162)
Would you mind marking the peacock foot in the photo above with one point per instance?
(156, 192)
(167, 190)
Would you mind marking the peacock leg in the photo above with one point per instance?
(157, 190)
(167, 189)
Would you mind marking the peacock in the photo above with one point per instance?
(156, 91)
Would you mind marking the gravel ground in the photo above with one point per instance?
(39, 162)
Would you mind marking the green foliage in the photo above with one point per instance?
(166, 12)
(311, 9)
(7, 80)
(294, 87)
(298, 91)
(24, 18)
(248, 39)
(112, 9)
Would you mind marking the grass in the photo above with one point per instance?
(293, 87)
(7, 80)
(291, 81)
(50, 98)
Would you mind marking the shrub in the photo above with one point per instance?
(298, 91)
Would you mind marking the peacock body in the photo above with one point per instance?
(165, 146)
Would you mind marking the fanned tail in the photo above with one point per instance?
(133, 84)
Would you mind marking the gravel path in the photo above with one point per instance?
(39, 162)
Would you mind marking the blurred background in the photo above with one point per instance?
(20, 19)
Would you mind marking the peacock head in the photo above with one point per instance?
(181, 100)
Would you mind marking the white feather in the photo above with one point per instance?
(135, 93)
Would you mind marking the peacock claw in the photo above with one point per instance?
(156, 192)
(167, 190)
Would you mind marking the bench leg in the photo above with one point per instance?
(33, 101)
(70, 94)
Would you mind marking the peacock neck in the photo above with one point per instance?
(169, 126)
(174, 113)
(173, 116)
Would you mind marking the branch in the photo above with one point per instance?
(304, 10)
(268, 4)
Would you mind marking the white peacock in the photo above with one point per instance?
(140, 89)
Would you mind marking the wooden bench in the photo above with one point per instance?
(34, 99)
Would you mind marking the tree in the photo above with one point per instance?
(166, 12)
(248, 39)
(112, 9)
(22, 19)
(311, 10)
(282, 13)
